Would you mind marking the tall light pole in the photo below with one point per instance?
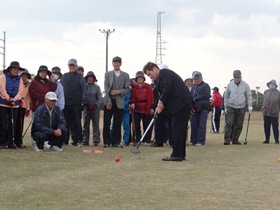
(107, 33)
(4, 50)
(257, 101)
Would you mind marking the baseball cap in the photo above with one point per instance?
(72, 62)
(117, 58)
(237, 72)
(51, 96)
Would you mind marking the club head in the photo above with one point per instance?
(135, 150)
(245, 142)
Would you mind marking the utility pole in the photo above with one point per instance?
(107, 34)
(4, 50)
(159, 48)
(257, 92)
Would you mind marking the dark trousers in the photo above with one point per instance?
(216, 115)
(53, 140)
(179, 126)
(160, 127)
(20, 126)
(268, 121)
(234, 119)
(6, 131)
(117, 115)
(146, 119)
(73, 115)
(198, 127)
(91, 115)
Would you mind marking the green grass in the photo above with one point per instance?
(214, 176)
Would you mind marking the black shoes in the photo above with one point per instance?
(156, 145)
(236, 142)
(226, 142)
(266, 142)
(170, 158)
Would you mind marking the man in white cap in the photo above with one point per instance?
(49, 125)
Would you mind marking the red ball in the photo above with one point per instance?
(117, 159)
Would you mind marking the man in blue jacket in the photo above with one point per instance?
(49, 125)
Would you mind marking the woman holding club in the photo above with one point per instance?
(11, 94)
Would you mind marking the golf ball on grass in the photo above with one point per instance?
(117, 159)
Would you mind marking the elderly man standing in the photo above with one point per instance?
(49, 125)
(74, 86)
(116, 85)
(237, 94)
(271, 107)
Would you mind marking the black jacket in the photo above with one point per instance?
(173, 92)
(201, 94)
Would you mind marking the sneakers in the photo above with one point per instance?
(46, 145)
(80, 144)
(37, 149)
(85, 143)
(56, 148)
(106, 146)
(198, 144)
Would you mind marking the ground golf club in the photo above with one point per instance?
(136, 150)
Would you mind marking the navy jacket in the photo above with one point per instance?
(74, 86)
(201, 94)
(173, 92)
(45, 124)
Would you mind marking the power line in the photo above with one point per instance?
(107, 34)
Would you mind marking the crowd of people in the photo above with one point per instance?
(65, 106)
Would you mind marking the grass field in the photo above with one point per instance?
(214, 176)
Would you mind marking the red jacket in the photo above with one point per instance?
(142, 97)
(38, 89)
(217, 99)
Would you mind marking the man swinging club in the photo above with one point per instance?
(176, 98)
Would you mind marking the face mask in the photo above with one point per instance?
(56, 77)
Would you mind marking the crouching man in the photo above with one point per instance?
(49, 125)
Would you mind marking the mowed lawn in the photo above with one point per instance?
(214, 176)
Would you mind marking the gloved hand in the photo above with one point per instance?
(250, 109)
(223, 112)
(91, 107)
(27, 113)
(12, 102)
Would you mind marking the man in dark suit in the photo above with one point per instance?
(176, 98)
(116, 85)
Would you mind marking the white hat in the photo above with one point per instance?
(51, 96)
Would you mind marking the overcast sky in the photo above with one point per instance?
(211, 36)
